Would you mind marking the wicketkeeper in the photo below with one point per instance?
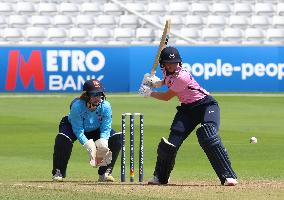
(89, 121)
(197, 107)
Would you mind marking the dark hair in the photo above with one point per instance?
(84, 96)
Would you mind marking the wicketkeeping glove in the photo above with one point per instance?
(106, 160)
(104, 155)
(91, 148)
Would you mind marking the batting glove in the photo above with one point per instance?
(152, 81)
(145, 91)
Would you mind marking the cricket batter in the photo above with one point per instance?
(89, 121)
(197, 107)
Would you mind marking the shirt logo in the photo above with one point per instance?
(211, 111)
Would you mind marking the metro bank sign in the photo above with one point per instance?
(52, 70)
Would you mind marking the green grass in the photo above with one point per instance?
(28, 127)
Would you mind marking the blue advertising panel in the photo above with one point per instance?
(121, 69)
(53, 69)
(223, 69)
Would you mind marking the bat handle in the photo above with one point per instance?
(167, 39)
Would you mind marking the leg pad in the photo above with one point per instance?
(165, 160)
(61, 155)
(211, 144)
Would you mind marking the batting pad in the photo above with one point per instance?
(165, 160)
(211, 144)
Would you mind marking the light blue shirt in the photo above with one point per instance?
(83, 120)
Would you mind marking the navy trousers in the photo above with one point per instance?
(65, 128)
(188, 116)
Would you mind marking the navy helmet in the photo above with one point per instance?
(169, 55)
(93, 87)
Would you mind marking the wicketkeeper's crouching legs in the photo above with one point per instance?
(211, 144)
(62, 152)
(63, 149)
(64, 144)
(114, 144)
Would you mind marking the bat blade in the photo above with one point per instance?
(163, 44)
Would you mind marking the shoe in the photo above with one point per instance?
(106, 178)
(154, 181)
(57, 177)
(230, 182)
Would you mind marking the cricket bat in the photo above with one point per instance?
(163, 44)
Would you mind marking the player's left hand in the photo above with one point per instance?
(102, 147)
(104, 155)
(152, 81)
(145, 91)
(106, 160)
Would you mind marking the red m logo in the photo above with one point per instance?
(32, 69)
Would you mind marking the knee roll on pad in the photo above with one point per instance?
(165, 160)
(211, 144)
(207, 135)
(61, 155)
